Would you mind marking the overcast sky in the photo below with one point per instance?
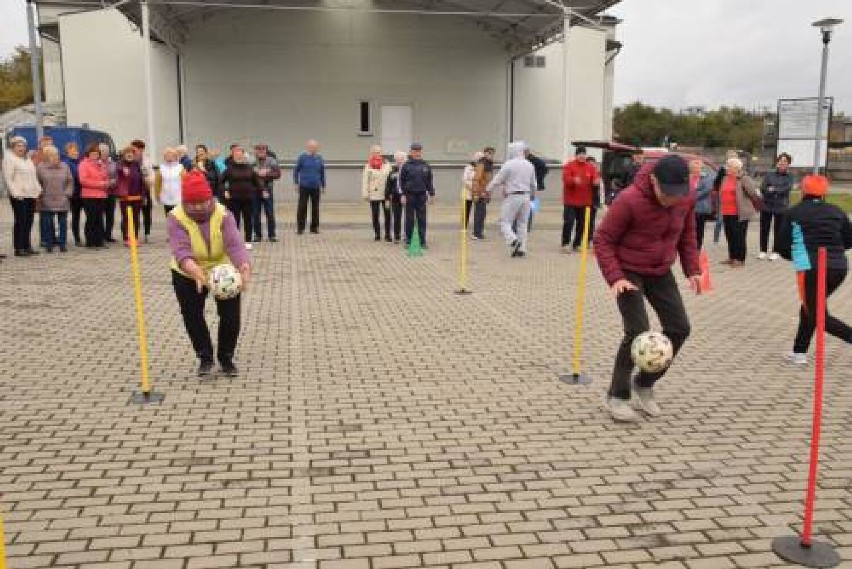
(679, 53)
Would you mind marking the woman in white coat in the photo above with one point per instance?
(373, 183)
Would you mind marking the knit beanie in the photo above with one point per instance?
(815, 185)
(195, 188)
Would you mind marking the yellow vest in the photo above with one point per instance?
(206, 258)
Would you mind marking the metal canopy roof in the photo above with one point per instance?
(521, 24)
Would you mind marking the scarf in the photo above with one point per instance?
(376, 162)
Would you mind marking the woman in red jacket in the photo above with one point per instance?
(94, 180)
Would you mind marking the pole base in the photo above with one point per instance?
(141, 398)
(575, 378)
(463, 291)
(819, 554)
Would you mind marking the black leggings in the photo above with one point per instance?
(376, 207)
(736, 232)
(243, 210)
(807, 320)
(76, 209)
(769, 220)
(192, 309)
(94, 229)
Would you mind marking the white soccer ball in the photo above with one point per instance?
(652, 352)
(225, 282)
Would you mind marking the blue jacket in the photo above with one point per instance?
(704, 201)
(309, 171)
(73, 165)
(415, 177)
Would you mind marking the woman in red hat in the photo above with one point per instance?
(809, 226)
(203, 234)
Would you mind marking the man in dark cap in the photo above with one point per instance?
(650, 224)
(415, 180)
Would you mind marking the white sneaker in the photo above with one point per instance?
(249, 247)
(621, 410)
(645, 398)
(761, 256)
(796, 359)
(774, 257)
(566, 249)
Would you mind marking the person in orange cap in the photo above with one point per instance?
(810, 225)
(203, 234)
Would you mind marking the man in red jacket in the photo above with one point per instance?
(580, 179)
(645, 229)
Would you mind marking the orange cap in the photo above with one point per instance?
(815, 185)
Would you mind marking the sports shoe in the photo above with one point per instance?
(774, 257)
(566, 249)
(621, 410)
(249, 247)
(796, 359)
(205, 368)
(515, 247)
(645, 399)
(762, 255)
(229, 369)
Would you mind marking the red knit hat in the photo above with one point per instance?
(195, 188)
(815, 185)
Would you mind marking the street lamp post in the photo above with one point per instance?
(826, 26)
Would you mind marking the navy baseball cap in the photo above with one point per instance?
(416, 146)
(672, 172)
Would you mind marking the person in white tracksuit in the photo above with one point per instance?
(517, 177)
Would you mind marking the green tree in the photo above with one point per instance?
(16, 85)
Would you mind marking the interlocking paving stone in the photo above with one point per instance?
(381, 421)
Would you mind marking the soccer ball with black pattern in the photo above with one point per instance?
(652, 352)
(225, 282)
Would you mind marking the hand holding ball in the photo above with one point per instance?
(225, 282)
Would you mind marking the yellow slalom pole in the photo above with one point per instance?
(2, 545)
(146, 395)
(463, 246)
(576, 376)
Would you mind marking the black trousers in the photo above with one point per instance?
(468, 208)
(480, 212)
(769, 221)
(306, 195)
(663, 295)
(192, 309)
(807, 314)
(76, 209)
(136, 209)
(736, 232)
(243, 209)
(109, 217)
(264, 206)
(147, 213)
(396, 215)
(24, 213)
(415, 212)
(376, 209)
(573, 221)
(94, 228)
(701, 220)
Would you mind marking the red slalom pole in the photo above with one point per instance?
(807, 531)
(803, 550)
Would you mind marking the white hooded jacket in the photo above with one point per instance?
(517, 174)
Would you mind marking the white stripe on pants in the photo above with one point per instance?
(515, 211)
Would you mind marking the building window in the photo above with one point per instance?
(529, 61)
(365, 118)
(535, 61)
(540, 61)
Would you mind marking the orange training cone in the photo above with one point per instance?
(706, 283)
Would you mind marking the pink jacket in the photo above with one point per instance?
(94, 179)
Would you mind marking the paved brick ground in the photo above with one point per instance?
(382, 422)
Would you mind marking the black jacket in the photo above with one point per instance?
(392, 185)
(822, 225)
(776, 188)
(540, 170)
(241, 181)
(416, 178)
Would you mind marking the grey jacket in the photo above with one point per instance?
(517, 173)
(57, 185)
(746, 191)
(776, 188)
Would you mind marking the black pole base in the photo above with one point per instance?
(575, 378)
(462, 291)
(819, 554)
(142, 398)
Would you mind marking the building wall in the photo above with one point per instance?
(283, 78)
(539, 94)
(104, 81)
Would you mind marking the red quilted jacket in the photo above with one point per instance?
(638, 235)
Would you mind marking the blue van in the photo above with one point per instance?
(62, 135)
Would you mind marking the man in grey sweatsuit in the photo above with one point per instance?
(517, 177)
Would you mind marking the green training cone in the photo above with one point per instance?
(415, 249)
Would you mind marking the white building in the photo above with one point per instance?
(456, 75)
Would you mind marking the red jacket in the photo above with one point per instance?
(94, 178)
(574, 194)
(638, 235)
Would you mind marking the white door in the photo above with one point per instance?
(396, 128)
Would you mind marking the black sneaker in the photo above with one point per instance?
(516, 247)
(229, 369)
(314, 231)
(32, 252)
(205, 368)
(257, 240)
(110, 240)
(63, 249)
(378, 238)
(273, 239)
(300, 232)
(388, 239)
